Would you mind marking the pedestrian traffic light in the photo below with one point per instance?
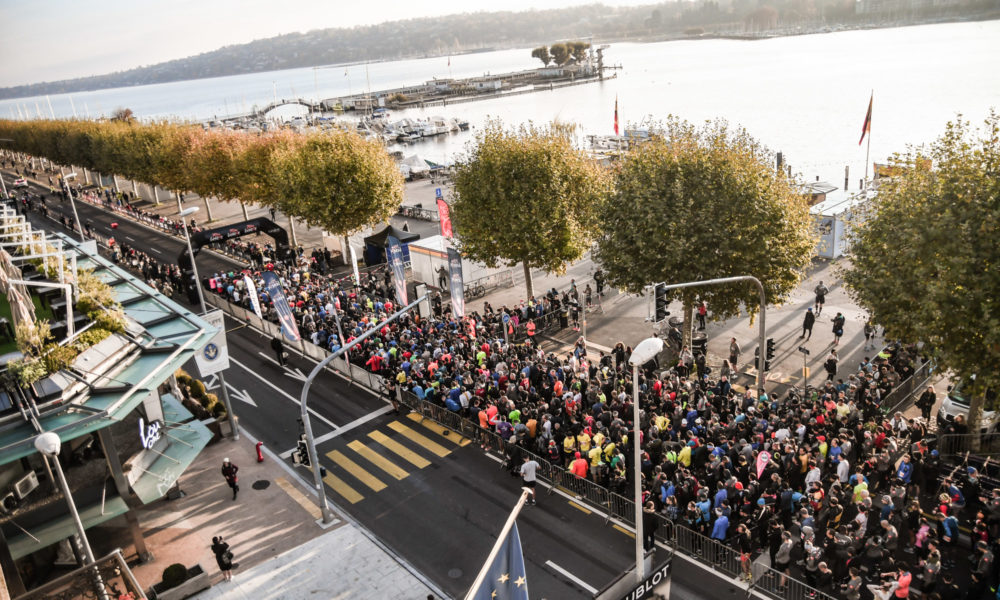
(756, 358)
(660, 298)
(770, 348)
(301, 455)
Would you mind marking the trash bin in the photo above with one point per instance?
(699, 343)
(675, 321)
(564, 319)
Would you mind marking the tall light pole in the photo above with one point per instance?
(69, 192)
(48, 444)
(204, 309)
(646, 351)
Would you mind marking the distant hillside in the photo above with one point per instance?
(477, 31)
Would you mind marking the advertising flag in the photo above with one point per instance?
(457, 285)
(214, 357)
(506, 578)
(762, 459)
(867, 127)
(285, 316)
(395, 255)
(445, 215)
(253, 295)
(616, 115)
(354, 263)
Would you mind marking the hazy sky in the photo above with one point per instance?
(46, 40)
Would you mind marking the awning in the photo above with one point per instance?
(185, 437)
(62, 527)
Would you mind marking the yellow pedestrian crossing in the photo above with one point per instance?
(393, 446)
(356, 470)
(362, 471)
(376, 459)
(340, 486)
(421, 440)
(441, 430)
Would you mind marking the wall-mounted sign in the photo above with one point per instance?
(149, 433)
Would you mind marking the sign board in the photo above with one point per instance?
(286, 318)
(437, 193)
(149, 433)
(214, 357)
(657, 583)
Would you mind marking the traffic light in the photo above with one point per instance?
(770, 348)
(300, 457)
(767, 362)
(660, 298)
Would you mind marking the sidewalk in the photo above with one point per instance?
(281, 550)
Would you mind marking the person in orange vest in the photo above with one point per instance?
(531, 329)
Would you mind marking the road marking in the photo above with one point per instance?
(340, 486)
(441, 430)
(299, 497)
(378, 460)
(129, 239)
(335, 433)
(282, 392)
(580, 507)
(625, 531)
(355, 469)
(413, 436)
(155, 250)
(295, 374)
(393, 446)
(571, 577)
(241, 395)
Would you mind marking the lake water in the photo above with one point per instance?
(805, 96)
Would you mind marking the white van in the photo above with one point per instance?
(956, 403)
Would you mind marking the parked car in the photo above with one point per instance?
(957, 403)
(20, 182)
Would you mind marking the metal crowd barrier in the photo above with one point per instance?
(902, 396)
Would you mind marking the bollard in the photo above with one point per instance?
(260, 454)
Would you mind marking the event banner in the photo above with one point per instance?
(214, 357)
(253, 295)
(273, 286)
(354, 263)
(445, 215)
(457, 285)
(395, 256)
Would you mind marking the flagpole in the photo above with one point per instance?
(496, 547)
(868, 147)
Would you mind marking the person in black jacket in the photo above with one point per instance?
(807, 324)
(279, 349)
(223, 557)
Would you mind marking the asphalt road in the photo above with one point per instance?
(437, 501)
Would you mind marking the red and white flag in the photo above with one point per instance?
(867, 127)
(616, 115)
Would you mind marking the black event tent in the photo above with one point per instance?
(375, 244)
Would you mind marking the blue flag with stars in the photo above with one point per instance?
(506, 578)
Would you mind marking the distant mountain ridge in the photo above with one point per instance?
(471, 32)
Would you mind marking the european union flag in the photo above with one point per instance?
(506, 577)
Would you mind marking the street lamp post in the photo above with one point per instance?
(48, 444)
(646, 351)
(69, 192)
(204, 309)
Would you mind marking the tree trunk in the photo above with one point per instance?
(527, 281)
(291, 235)
(688, 324)
(246, 217)
(208, 210)
(976, 402)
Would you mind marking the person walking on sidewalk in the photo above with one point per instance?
(279, 349)
(926, 402)
(807, 324)
(831, 365)
(734, 353)
(869, 334)
(838, 327)
(528, 469)
(821, 292)
(229, 472)
(702, 313)
(223, 557)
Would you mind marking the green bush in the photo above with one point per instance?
(198, 389)
(209, 402)
(218, 410)
(57, 358)
(111, 319)
(174, 575)
(26, 372)
(91, 337)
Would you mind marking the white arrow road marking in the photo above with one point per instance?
(241, 395)
(212, 383)
(295, 374)
(282, 392)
